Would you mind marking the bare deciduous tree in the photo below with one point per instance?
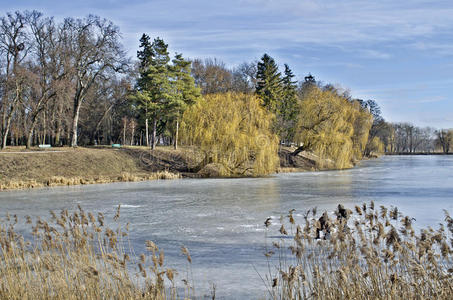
(444, 139)
(13, 49)
(212, 76)
(95, 51)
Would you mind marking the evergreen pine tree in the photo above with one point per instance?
(145, 55)
(159, 78)
(269, 83)
(153, 85)
(184, 91)
(142, 97)
(289, 108)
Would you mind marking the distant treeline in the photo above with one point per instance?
(71, 83)
(408, 138)
(418, 153)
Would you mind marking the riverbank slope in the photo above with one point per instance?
(21, 168)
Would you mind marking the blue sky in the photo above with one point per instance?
(399, 53)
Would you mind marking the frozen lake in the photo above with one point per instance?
(221, 220)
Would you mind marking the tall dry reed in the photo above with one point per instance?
(76, 256)
(371, 253)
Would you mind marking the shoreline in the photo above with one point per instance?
(416, 153)
(99, 165)
(36, 168)
(78, 180)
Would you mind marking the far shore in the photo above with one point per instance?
(417, 153)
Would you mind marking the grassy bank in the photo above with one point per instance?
(22, 168)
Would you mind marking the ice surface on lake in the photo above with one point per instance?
(221, 221)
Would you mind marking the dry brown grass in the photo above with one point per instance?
(22, 168)
(369, 254)
(291, 170)
(68, 166)
(75, 256)
(78, 180)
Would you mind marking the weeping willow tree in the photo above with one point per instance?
(332, 127)
(375, 145)
(362, 121)
(233, 131)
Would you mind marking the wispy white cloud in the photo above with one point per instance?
(436, 47)
(394, 51)
(272, 23)
(371, 53)
(432, 99)
(304, 21)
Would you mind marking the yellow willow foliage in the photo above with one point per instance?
(376, 145)
(232, 130)
(333, 127)
(362, 121)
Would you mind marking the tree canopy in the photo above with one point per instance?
(233, 130)
(164, 90)
(69, 82)
(332, 127)
(269, 83)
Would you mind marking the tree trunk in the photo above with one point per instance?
(68, 134)
(44, 128)
(10, 115)
(299, 150)
(124, 132)
(34, 120)
(3, 122)
(8, 125)
(147, 132)
(132, 134)
(11, 138)
(75, 122)
(176, 133)
(154, 134)
(58, 133)
(30, 133)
